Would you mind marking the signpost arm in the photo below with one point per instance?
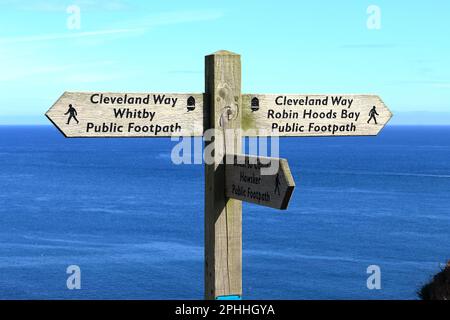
(223, 216)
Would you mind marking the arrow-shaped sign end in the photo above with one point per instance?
(49, 112)
(290, 183)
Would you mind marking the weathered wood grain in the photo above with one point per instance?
(261, 121)
(172, 117)
(261, 180)
(223, 216)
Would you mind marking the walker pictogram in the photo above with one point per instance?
(72, 112)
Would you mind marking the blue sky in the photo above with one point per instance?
(286, 47)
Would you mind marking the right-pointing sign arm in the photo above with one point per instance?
(313, 115)
(260, 180)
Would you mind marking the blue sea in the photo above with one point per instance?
(133, 221)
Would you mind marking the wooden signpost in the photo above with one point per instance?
(260, 180)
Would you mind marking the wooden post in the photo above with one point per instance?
(223, 216)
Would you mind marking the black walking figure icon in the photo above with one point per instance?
(277, 184)
(73, 114)
(372, 115)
